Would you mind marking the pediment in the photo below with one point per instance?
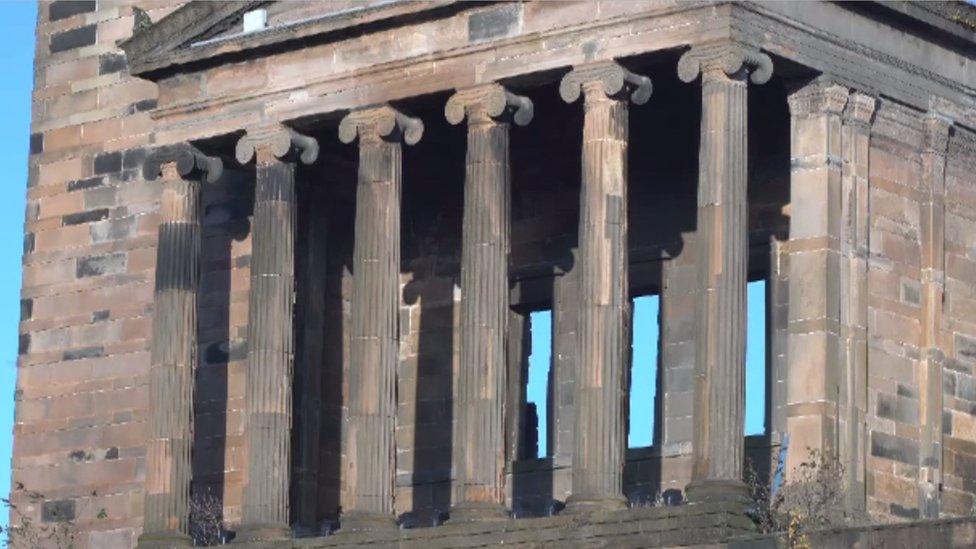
(201, 32)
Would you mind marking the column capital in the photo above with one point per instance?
(822, 96)
(614, 78)
(383, 121)
(189, 162)
(936, 133)
(488, 101)
(860, 109)
(728, 57)
(265, 142)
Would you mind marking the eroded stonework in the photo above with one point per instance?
(290, 270)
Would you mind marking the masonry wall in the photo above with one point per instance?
(90, 250)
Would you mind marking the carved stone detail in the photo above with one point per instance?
(190, 163)
(279, 142)
(936, 133)
(817, 98)
(382, 122)
(615, 80)
(860, 110)
(730, 58)
(489, 101)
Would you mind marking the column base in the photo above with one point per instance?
(364, 521)
(578, 505)
(163, 540)
(248, 533)
(717, 491)
(478, 512)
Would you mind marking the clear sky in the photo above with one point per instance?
(643, 384)
(17, 30)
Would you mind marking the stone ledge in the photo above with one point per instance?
(680, 525)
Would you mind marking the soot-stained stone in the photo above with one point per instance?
(61, 510)
(108, 162)
(111, 62)
(36, 143)
(84, 217)
(26, 308)
(82, 184)
(74, 38)
(895, 448)
(98, 265)
(63, 9)
(84, 352)
(492, 23)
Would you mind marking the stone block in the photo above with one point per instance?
(62, 510)
(62, 9)
(894, 448)
(99, 265)
(74, 38)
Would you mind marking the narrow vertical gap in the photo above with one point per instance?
(756, 385)
(536, 423)
(645, 335)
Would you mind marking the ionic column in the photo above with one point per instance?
(852, 297)
(374, 338)
(598, 456)
(479, 447)
(270, 333)
(174, 343)
(723, 256)
(932, 221)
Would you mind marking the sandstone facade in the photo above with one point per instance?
(293, 267)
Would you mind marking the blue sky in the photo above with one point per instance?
(17, 29)
(644, 367)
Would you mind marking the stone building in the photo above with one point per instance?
(285, 254)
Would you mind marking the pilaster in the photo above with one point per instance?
(374, 338)
(174, 343)
(723, 256)
(604, 310)
(852, 298)
(814, 265)
(479, 442)
(930, 373)
(270, 330)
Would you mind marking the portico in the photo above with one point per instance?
(460, 183)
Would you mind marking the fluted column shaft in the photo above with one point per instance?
(603, 309)
(173, 358)
(480, 449)
(722, 261)
(173, 349)
(270, 339)
(374, 337)
(270, 330)
(600, 390)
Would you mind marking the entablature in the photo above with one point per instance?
(322, 66)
